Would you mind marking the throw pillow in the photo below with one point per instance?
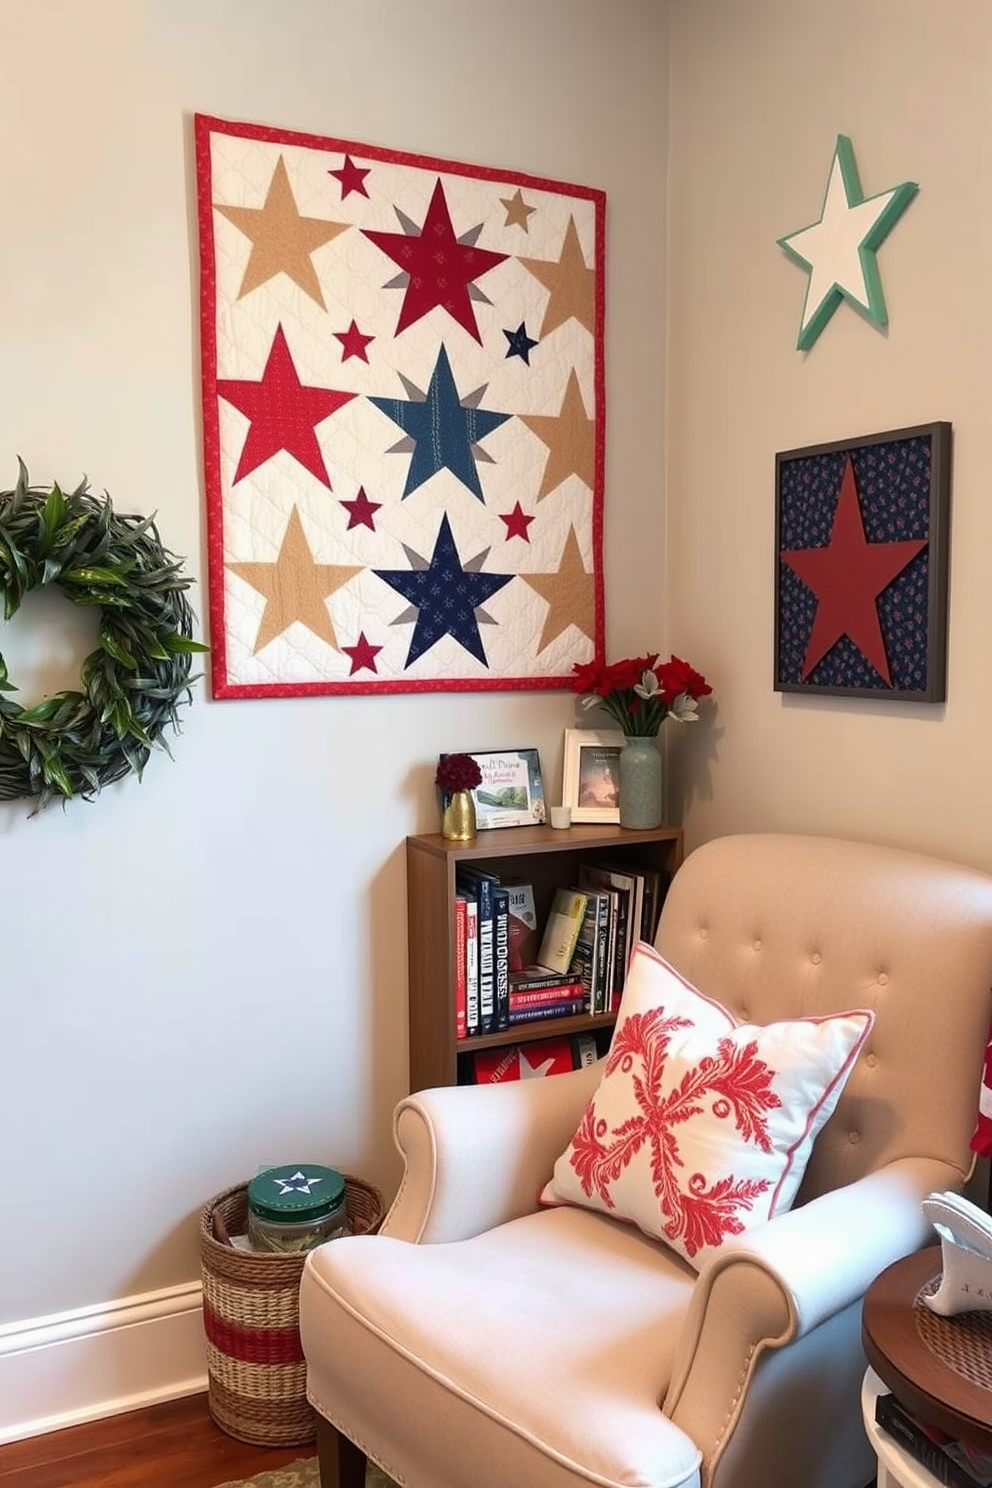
(701, 1127)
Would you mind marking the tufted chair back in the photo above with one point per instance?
(780, 927)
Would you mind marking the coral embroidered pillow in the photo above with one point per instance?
(701, 1127)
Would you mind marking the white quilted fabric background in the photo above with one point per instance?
(266, 641)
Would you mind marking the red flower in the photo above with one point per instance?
(638, 693)
(457, 772)
(677, 676)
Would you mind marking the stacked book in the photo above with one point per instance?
(505, 976)
(955, 1463)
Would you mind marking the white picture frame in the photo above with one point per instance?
(591, 774)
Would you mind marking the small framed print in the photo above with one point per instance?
(511, 792)
(861, 549)
(591, 777)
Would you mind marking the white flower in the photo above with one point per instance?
(648, 687)
(685, 709)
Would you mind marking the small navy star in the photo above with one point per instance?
(446, 596)
(297, 1183)
(520, 343)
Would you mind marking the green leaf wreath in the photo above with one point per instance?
(76, 742)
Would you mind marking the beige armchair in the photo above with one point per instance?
(481, 1341)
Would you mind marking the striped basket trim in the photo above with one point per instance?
(285, 1424)
(257, 1381)
(252, 1345)
(274, 1309)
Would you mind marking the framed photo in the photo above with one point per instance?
(511, 792)
(591, 777)
(861, 546)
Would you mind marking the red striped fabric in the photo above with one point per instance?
(252, 1345)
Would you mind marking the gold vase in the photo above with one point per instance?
(458, 821)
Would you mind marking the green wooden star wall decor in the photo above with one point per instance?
(839, 250)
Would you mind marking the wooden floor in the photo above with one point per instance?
(165, 1446)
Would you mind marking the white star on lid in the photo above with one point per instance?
(297, 1183)
(839, 251)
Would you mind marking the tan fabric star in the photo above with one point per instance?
(570, 594)
(570, 437)
(571, 285)
(517, 210)
(295, 587)
(281, 240)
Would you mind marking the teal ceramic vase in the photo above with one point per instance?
(640, 783)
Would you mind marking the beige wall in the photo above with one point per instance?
(759, 91)
(206, 972)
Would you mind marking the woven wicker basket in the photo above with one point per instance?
(256, 1373)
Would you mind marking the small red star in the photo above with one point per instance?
(282, 413)
(352, 177)
(363, 654)
(440, 268)
(847, 577)
(361, 511)
(517, 523)
(354, 342)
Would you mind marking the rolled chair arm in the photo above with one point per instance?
(778, 1282)
(476, 1156)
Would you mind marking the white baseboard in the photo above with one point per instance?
(100, 1361)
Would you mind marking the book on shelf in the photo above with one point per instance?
(471, 966)
(532, 978)
(501, 956)
(586, 964)
(562, 991)
(478, 884)
(585, 1050)
(604, 876)
(461, 967)
(561, 932)
(569, 1009)
(551, 1056)
(522, 923)
(926, 1445)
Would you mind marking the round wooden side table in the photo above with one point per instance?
(940, 1368)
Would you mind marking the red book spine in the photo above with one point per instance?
(461, 983)
(563, 992)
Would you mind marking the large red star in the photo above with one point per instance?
(361, 511)
(351, 176)
(517, 523)
(440, 268)
(353, 342)
(847, 577)
(282, 412)
(363, 654)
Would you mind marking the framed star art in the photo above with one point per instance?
(861, 540)
(402, 377)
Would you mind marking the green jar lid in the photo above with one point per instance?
(296, 1193)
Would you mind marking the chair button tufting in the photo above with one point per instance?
(854, 1138)
(757, 945)
(883, 978)
(703, 932)
(871, 1060)
(816, 958)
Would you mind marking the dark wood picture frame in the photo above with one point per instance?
(834, 503)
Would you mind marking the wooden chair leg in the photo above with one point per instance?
(342, 1464)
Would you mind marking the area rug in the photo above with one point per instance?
(303, 1474)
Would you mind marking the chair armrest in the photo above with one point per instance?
(776, 1283)
(476, 1156)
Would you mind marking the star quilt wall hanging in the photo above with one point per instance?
(403, 418)
(839, 251)
(862, 547)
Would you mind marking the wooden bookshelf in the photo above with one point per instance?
(543, 856)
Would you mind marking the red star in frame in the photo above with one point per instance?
(363, 655)
(517, 523)
(847, 576)
(283, 413)
(361, 511)
(353, 342)
(352, 177)
(440, 268)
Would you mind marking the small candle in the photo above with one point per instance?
(561, 816)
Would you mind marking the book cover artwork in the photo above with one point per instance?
(511, 792)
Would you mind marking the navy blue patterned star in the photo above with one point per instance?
(520, 343)
(443, 430)
(446, 597)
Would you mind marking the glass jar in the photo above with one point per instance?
(296, 1207)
